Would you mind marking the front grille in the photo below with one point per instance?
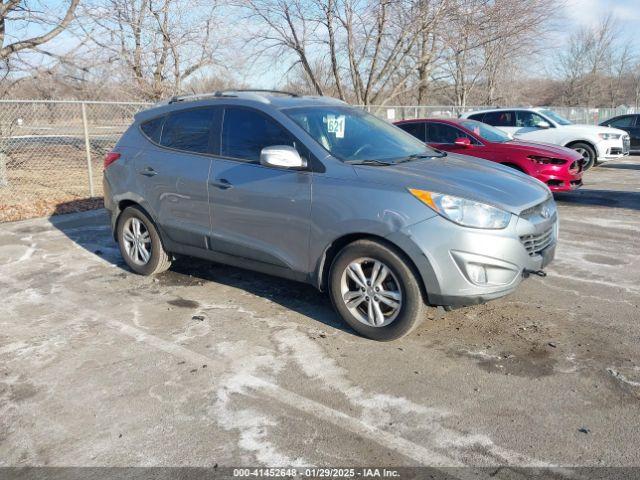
(576, 167)
(626, 144)
(536, 210)
(534, 244)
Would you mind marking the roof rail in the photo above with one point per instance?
(260, 90)
(226, 93)
(199, 96)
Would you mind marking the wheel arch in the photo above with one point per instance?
(128, 202)
(331, 251)
(590, 143)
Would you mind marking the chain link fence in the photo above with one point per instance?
(51, 152)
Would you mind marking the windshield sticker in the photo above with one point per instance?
(335, 124)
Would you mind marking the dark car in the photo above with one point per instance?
(558, 167)
(630, 124)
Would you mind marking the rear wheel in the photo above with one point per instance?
(375, 291)
(140, 243)
(588, 154)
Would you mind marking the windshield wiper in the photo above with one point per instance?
(368, 162)
(417, 156)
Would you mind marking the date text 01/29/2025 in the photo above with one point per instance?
(316, 472)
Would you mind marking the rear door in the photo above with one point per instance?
(173, 171)
(259, 213)
(635, 135)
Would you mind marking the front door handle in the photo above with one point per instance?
(148, 172)
(221, 183)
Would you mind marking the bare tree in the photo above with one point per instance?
(429, 47)
(159, 44)
(483, 35)
(21, 14)
(593, 53)
(16, 18)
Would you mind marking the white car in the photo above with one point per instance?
(595, 143)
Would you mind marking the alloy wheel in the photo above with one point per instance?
(586, 155)
(137, 241)
(371, 292)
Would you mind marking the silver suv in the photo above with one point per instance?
(312, 189)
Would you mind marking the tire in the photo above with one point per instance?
(399, 286)
(156, 260)
(587, 152)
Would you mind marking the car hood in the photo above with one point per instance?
(462, 176)
(592, 129)
(537, 148)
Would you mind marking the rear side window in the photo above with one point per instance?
(500, 119)
(246, 132)
(153, 128)
(477, 116)
(417, 129)
(188, 130)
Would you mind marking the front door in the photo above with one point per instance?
(443, 136)
(259, 213)
(631, 125)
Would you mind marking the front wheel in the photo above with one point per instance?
(375, 291)
(588, 154)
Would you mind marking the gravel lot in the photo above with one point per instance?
(208, 364)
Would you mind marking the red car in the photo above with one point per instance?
(559, 168)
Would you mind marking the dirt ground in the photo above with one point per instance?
(48, 179)
(207, 364)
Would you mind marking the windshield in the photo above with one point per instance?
(353, 135)
(485, 131)
(559, 119)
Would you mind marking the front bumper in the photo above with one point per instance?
(466, 266)
(613, 149)
(561, 178)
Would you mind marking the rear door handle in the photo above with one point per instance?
(221, 183)
(148, 172)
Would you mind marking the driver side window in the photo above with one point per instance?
(442, 133)
(246, 132)
(529, 120)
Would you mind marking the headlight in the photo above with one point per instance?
(609, 136)
(547, 160)
(462, 211)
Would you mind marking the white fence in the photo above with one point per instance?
(51, 151)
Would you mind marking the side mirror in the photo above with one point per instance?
(544, 125)
(462, 142)
(282, 156)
